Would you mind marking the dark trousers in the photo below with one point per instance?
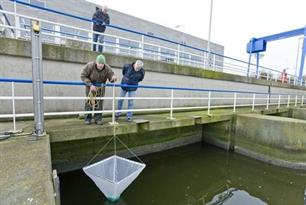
(98, 38)
(98, 107)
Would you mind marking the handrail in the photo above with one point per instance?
(77, 83)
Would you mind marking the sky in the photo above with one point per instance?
(234, 22)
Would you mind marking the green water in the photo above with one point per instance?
(194, 175)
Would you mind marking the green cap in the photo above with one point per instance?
(100, 59)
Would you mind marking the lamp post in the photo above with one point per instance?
(209, 33)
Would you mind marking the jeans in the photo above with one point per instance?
(130, 102)
(98, 38)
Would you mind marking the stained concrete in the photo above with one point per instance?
(299, 113)
(25, 172)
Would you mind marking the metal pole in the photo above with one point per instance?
(37, 76)
(296, 98)
(235, 99)
(16, 20)
(279, 100)
(178, 54)
(208, 103)
(113, 105)
(13, 106)
(288, 103)
(171, 105)
(209, 32)
(257, 65)
(267, 107)
(253, 104)
(142, 46)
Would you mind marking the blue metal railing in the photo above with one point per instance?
(77, 83)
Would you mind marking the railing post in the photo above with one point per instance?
(289, 79)
(17, 22)
(178, 54)
(214, 63)
(302, 101)
(117, 50)
(158, 54)
(208, 103)
(13, 107)
(267, 106)
(253, 103)
(171, 104)
(235, 101)
(296, 99)
(279, 100)
(113, 105)
(142, 46)
(288, 103)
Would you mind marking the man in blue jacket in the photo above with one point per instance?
(132, 75)
(100, 20)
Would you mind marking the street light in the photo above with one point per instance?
(209, 33)
(183, 31)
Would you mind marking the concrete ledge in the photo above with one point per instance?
(269, 159)
(26, 175)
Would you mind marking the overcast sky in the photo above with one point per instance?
(234, 23)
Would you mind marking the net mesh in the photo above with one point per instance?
(113, 175)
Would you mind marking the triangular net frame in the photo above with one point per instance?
(114, 174)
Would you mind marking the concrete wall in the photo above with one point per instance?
(299, 113)
(63, 63)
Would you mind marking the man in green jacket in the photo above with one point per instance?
(95, 73)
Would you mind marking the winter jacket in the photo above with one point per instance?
(100, 19)
(131, 77)
(91, 74)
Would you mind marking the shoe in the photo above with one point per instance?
(116, 118)
(129, 119)
(87, 122)
(99, 122)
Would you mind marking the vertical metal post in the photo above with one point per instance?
(214, 63)
(209, 34)
(279, 100)
(267, 105)
(235, 101)
(208, 103)
(253, 103)
(142, 46)
(257, 65)
(171, 104)
(13, 106)
(288, 103)
(158, 54)
(113, 105)
(289, 79)
(296, 99)
(16, 19)
(117, 50)
(178, 54)
(37, 76)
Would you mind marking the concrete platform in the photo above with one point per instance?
(25, 168)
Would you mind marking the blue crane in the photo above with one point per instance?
(257, 45)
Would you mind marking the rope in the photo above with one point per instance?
(130, 150)
(92, 100)
(99, 151)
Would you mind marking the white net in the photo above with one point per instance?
(113, 175)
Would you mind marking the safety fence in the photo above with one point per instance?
(142, 45)
(210, 99)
